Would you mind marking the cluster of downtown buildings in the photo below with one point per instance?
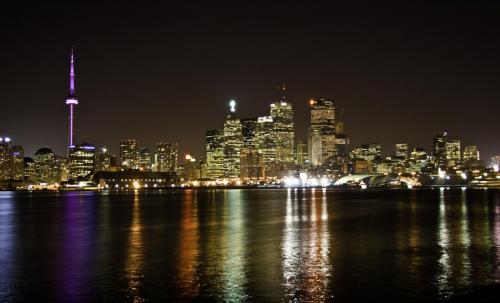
(248, 151)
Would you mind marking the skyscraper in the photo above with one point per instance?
(302, 155)
(321, 134)
(81, 160)
(248, 129)
(439, 148)
(71, 100)
(5, 158)
(145, 159)
(215, 153)
(453, 153)
(265, 141)
(283, 118)
(471, 153)
(167, 155)
(104, 161)
(17, 163)
(47, 166)
(129, 154)
(233, 142)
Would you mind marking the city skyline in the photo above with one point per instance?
(152, 98)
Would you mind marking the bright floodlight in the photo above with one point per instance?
(7, 139)
(1, 139)
(495, 167)
(232, 104)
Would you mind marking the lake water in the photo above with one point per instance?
(248, 245)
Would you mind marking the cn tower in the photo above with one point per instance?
(71, 100)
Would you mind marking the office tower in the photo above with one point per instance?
(265, 141)
(144, 159)
(71, 100)
(233, 142)
(17, 163)
(418, 160)
(248, 130)
(471, 154)
(321, 133)
(282, 114)
(439, 148)
(401, 150)
(129, 154)
(104, 161)
(81, 160)
(47, 166)
(341, 140)
(191, 168)
(215, 153)
(5, 158)
(453, 153)
(302, 154)
(29, 171)
(252, 167)
(167, 155)
(369, 152)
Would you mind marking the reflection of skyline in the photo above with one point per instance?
(306, 243)
(135, 259)
(189, 246)
(234, 275)
(7, 242)
(77, 245)
(454, 241)
(497, 242)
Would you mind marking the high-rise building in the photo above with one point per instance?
(401, 150)
(282, 114)
(5, 158)
(252, 167)
(453, 153)
(215, 153)
(439, 148)
(321, 133)
(81, 160)
(167, 157)
(191, 168)
(418, 160)
(266, 145)
(17, 163)
(29, 171)
(471, 154)
(248, 130)
(104, 161)
(144, 159)
(129, 154)
(47, 166)
(302, 154)
(71, 100)
(341, 140)
(233, 142)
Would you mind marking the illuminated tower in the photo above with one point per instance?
(71, 100)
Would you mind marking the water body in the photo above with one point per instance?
(240, 245)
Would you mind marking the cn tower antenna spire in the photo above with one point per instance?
(72, 74)
(71, 100)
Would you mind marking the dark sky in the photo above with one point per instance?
(162, 72)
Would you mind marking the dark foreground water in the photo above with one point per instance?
(248, 245)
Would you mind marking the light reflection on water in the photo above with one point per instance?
(135, 260)
(189, 250)
(242, 245)
(306, 267)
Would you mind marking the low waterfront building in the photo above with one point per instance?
(134, 179)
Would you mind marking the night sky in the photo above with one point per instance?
(160, 72)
